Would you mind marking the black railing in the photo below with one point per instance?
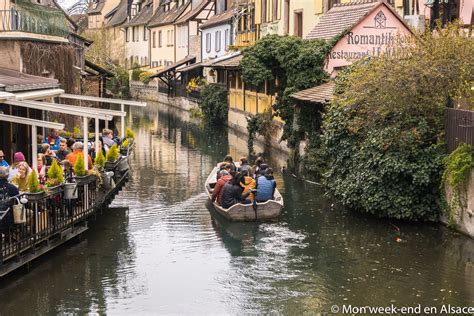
(459, 126)
(47, 215)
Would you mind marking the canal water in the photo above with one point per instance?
(160, 249)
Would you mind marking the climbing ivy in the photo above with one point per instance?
(260, 124)
(457, 167)
(293, 64)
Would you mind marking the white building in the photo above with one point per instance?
(216, 36)
(137, 35)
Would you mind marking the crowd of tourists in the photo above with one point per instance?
(243, 183)
(14, 178)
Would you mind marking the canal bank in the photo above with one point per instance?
(169, 254)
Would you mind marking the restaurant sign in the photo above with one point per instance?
(373, 36)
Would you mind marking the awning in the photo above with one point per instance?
(172, 68)
(13, 81)
(319, 94)
(99, 70)
(193, 67)
(229, 63)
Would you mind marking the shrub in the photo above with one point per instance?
(261, 124)
(214, 104)
(383, 133)
(136, 72)
(55, 174)
(33, 183)
(145, 77)
(99, 159)
(79, 167)
(113, 154)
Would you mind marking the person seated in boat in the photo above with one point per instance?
(225, 167)
(249, 184)
(77, 153)
(244, 166)
(232, 193)
(255, 170)
(21, 177)
(266, 186)
(227, 175)
(262, 170)
(227, 159)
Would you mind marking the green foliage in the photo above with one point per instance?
(33, 183)
(119, 84)
(55, 174)
(76, 131)
(196, 113)
(136, 72)
(99, 159)
(294, 64)
(79, 167)
(129, 133)
(113, 154)
(213, 104)
(145, 76)
(261, 124)
(457, 168)
(382, 137)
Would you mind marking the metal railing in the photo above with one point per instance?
(459, 127)
(49, 214)
(18, 20)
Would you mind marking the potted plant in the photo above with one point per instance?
(99, 160)
(112, 158)
(35, 191)
(55, 178)
(127, 142)
(80, 172)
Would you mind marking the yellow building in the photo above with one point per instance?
(98, 11)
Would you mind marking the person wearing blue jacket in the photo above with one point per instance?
(266, 186)
(3, 162)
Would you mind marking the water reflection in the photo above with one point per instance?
(170, 253)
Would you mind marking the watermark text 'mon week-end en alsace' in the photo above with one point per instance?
(445, 309)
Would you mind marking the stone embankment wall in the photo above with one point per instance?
(236, 121)
(150, 92)
(464, 219)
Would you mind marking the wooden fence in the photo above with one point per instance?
(459, 126)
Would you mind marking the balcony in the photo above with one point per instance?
(45, 22)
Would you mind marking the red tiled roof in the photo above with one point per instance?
(341, 17)
(319, 94)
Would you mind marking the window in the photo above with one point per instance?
(227, 39)
(133, 33)
(264, 11)
(127, 38)
(208, 42)
(218, 41)
(159, 39)
(145, 32)
(275, 10)
(298, 23)
(153, 40)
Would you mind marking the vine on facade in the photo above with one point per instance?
(457, 169)
(260, 124)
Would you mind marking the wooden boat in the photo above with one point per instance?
(246, 212)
